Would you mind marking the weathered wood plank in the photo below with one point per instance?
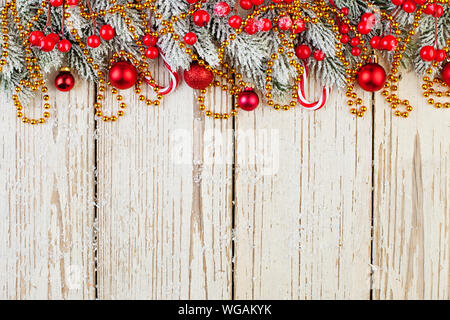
(46, 200)
(411, 200)
(303, 204)
(165, 178)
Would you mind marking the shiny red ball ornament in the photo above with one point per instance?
(248, 100)
(93, 41)
(64, 81)
(36, 37)
(445, 74)
(64, 45)
(201, 18)
(152, 53)
(56, 3)
(371, 77)
(428, 53)
(123, 75)
(107, 32)
(190, 38)
(302, 51)
(47, 44)
(198, 77)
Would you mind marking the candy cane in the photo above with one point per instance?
(307, 104)
(174, 79)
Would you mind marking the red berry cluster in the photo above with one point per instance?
(48, 42)
(150, 41)
(410, 6)
(429, 53)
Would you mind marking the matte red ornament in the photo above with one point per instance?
(248, 100)
(123, 75)
(64, 81)
(198, 77)
(372, 77)
(445, 74)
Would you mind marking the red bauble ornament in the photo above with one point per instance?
(56, 3)
(371, 77)
(201, 18)
(107, 32)
(64, 81)
(190, 38)
(36, 37)
(149, 40)
(198, 77)
(248, 100)
(47, 44)
(123, 75)
(152, 53)
(445, 74)
(303, 51)
(235, 22)
(93, 41)
(64, 45)
(427, 53)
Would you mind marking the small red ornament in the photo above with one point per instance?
(427, 53)
(149, 40)
(198, 77)
(201, 18)
(235, 22)
(56, 3)
(123, 75)
(107, 32)
(64, 81)
(445, 74)
(248, 100)
(36, 37)
(47, 44)
(64, 45)
(371, 77)
(190, 38)
(93, 41)
(152, 53)
(303, 51)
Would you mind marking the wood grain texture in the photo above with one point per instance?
(303, 195)
(46, 200)
(411, 200)
(164, 192)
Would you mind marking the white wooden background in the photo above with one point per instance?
(290, 205)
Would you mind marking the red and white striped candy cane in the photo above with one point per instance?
(174, 79)
(313, 106)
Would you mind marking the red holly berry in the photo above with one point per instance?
(64, 45)
(93, 41)
(235, 22)
(56, 3)
(152, 53)
(303, 51)
(149, 40)
(427, 53)
(107, 32)
(201, 18)
(319, 55)
(36, 37)
(190, 38)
